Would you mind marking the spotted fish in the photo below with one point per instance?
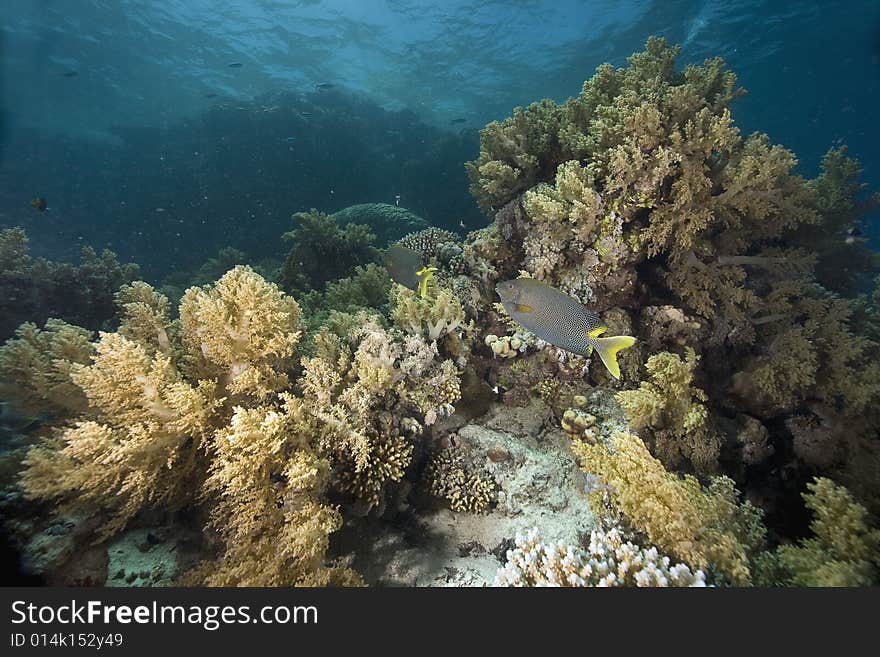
(561, 320)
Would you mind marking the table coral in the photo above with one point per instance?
(608, 560)
(388, 222)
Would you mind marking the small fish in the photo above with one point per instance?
(854, 232)
(39, 204)
(407, 267)
(461, 224)
(459, 120)
(70, 74)
(234, 65)
(290, 139)
(324, 85)
(209, 96)
(561, 320)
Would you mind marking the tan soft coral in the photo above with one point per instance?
(35, 368)
(142, 446)
(704, 527)
(844, 549)
(239, 331)
(671, 411)
(175, 408)
(269, 483)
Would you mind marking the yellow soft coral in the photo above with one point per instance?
(239, 331)
(141, 447)
(669, 408)
(35, 368)
(701, 526)
(269, 483)
(845, 550)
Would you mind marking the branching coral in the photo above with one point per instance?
(608, 560)
(670, 409)
(369, 396)
(435, 316)
(704, 527)
(451, 477)
(845, 550)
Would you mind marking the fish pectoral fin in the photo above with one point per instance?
(596, 332)
(607, 349)
(523, 308)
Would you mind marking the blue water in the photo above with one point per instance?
(127, 116)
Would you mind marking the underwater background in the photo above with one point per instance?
(270, 151)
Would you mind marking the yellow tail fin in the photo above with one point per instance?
(607, 349)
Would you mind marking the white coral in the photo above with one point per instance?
(607, 561)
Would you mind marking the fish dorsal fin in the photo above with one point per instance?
(596, 332)
(523, 308)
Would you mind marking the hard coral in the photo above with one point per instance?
(608, 560)
(387, 222)
(451, 477)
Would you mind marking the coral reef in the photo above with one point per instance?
(322, 251)
(608, 560)
(844, 551)
(35, 289)
(387, 222)
(672, 413)
(704, 527)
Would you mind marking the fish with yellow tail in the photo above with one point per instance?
(405, 266)
(561, 320)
